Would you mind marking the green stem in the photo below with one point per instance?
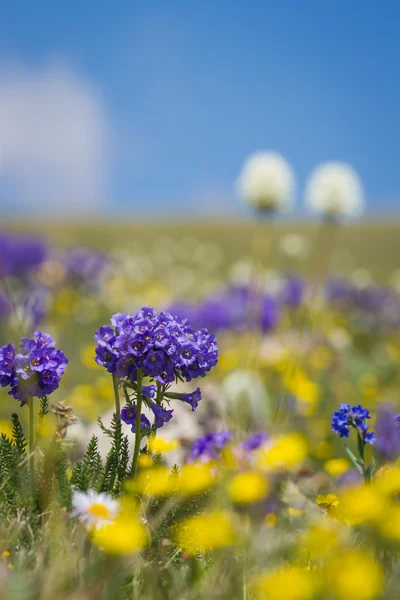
(32, 445)
(159, 397)
(137, 427)
(117, 402)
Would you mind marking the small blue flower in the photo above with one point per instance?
(370, 438)
(355, 417)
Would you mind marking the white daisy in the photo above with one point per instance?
(334, 189)
(94, 509)
(267, 182)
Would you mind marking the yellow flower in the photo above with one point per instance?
(205, 532)
(390, 524)
(6, 427)
(229, 360)
(160, 446)
(270, 520)
(361, 504)
(354, 575)
(229, 459)
(305, 390)
(247, 487)
(286, 583)
(87, 355)
(145, 461)
(157, 481)
(47, 427)
(284, 452)
(329, 502)
(103, 387)
(121, 536)
(337, 466)
(321, 539)
(295, 512)
(196, 478)
(387, 480)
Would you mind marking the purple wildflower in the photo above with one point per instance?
(149, 390)
(193, 398)
(163, 346)
(33, 372)
(209, 446)
(255, 441)
(128, 416)
(387, 432)
(162, 415)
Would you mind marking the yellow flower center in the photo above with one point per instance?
(99, 510)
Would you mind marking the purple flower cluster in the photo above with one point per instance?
(355, 417)
(372, 306)
(19, 255)
(163, 346)
(84, 265)
(209, 446)
(229, 308)
(255, 441)
(35, 371)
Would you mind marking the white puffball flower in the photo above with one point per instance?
(334, 189)
(267, 182)
(94, 509)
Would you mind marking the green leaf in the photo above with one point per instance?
(358, 465)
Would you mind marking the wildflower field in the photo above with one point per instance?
(202, 410)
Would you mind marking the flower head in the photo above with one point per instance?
(162, 415)
(94, 509)
(128, 416)
(124, 535)
(33, 372)
(267, 182)
(205, 532)
(210, 445)
(355, 417)
(255, 441)
(289, 581)
(334, 190)
(248, 487)
(193, 398)
(161, 345)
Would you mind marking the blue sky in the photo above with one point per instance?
(183, 91)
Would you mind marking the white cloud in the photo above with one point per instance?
(54, 141)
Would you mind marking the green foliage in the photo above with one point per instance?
(19, 435)
(116, 467)
(13, 472)
(44, 407)
(88, 472)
